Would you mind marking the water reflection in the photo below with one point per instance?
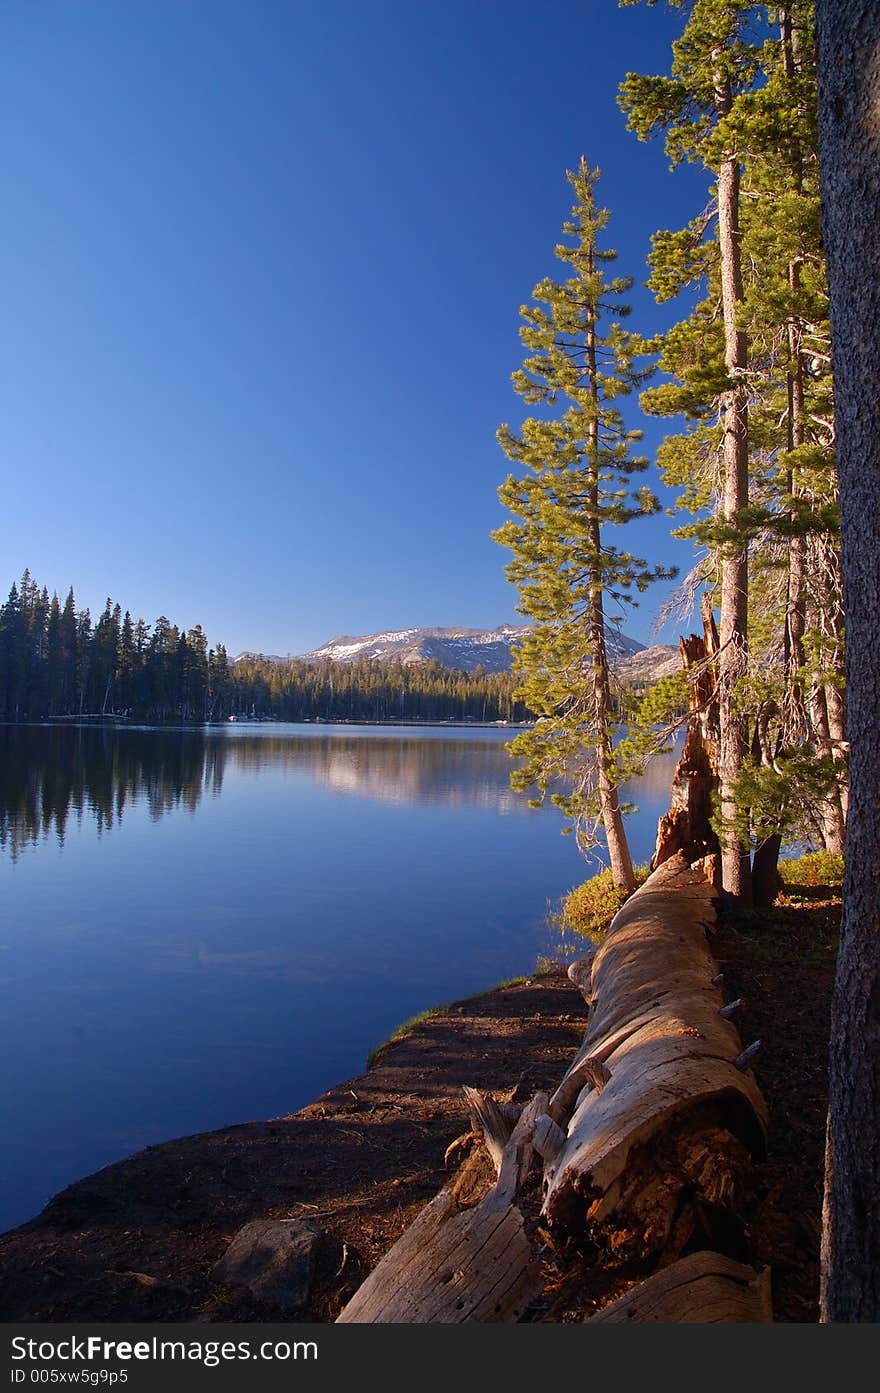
(51, 772)
(270, 904)
(453, 772)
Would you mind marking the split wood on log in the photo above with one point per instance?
(454, 1265)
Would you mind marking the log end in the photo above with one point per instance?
(704, 1287)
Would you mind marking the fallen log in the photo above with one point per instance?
(660, 1121)
(459, 1264)
(703, 1288)
(643, 1143)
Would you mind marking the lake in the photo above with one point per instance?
(208, 926)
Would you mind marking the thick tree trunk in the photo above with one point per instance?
(644, 1143)
(735, 868)
(766, 880)
(460, 1261)
(849, 135)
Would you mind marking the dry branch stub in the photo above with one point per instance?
(652, 1158)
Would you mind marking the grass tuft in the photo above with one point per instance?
(588, 909)
(401, 1031)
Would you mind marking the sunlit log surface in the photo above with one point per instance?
(664, 1121)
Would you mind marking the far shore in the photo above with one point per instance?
(97, 718)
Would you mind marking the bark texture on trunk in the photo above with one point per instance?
(733, 744)
(849, 143)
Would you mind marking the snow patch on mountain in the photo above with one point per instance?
(460, 648)
(467, 649)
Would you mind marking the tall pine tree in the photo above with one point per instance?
(578, 466)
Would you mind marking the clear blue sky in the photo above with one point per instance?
(262, 267)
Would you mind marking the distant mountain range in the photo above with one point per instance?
(466, 649)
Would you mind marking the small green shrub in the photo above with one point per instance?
(589, 908)
(814, 868)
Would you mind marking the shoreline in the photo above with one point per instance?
(125, 723)
(138, 1239)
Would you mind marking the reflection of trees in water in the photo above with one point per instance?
(394, 770)
(49, 773)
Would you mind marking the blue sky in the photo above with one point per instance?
(262, 266)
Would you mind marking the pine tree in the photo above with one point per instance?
(126, 665)
(714, 62)
(579, 466)
(67, 697)
(800, 718)
(13, 644)
(54, 658)
(787, 695)
(83, 658)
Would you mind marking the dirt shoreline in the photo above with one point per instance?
(139, 1239)
(359, 1163)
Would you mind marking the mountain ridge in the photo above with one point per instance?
(464, 649)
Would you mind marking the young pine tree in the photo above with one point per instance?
(578, 466)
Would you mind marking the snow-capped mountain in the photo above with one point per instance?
(464, 649)
(648, 664)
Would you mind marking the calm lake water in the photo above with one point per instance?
(203, 927)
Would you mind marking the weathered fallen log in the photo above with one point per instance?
(453, 1264)
(703, 1287)
(660, 1122)
(643, 1143)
